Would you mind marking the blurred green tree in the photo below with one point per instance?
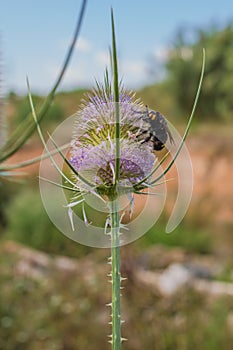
(183, 65)
(54, 114)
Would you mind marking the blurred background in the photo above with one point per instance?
(179, 291)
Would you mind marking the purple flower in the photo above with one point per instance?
(93, 147)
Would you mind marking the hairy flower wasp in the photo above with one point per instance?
(157, 129)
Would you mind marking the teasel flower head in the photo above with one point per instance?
(93, 147)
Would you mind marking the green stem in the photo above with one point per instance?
(116, 276)
(116, 101)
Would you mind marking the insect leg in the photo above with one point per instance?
(142, 133)
(147, 138)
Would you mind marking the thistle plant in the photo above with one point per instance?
(108, 159)
(113, 162)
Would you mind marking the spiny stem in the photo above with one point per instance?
(114, 211)
(116, 276)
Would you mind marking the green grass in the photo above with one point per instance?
(193, 239)
(28, 223)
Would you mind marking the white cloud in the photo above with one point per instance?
(84, 69)
(83, 45)
(78, 74)
(134, 72)
(133, 67)
(161, 54)
(102, 57)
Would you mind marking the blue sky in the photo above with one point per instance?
(35, 34)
